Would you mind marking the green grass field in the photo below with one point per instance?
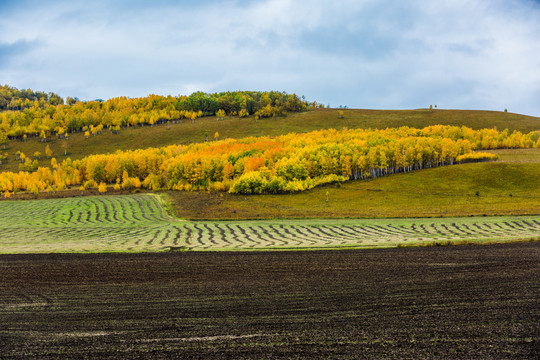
(234, 127)
(137, 223)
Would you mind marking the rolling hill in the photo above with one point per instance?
(187, 132)
(507, 187)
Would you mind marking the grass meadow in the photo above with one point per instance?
(210, 275)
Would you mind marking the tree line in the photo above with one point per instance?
(47, 114)
(12, 98)
(287, 163)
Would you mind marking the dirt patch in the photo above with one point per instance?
(473, 302)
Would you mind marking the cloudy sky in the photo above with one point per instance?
(386, 54)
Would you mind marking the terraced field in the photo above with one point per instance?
(140, 223)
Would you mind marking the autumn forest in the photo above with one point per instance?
(253, 165)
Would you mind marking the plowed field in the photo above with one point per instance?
(467, 302)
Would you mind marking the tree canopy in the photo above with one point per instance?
(12, 98)
(38, 114)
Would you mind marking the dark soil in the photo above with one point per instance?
(468, 302)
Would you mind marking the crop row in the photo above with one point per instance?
(139, 223)
(110, 210)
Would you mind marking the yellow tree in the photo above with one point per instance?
(346, 166)
(65, 146)
(102, 188)
(61, 132)
(48, 151)
(3, 139)
(228, 171)
(112, 169)
(3, 157)
(220, 114)
(43, 136)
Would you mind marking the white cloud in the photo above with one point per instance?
(371, 53)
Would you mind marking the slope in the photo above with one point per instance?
(233, 127)
(507, 187)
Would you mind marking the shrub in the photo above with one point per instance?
(476, 157)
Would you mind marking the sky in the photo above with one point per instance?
(374, 54)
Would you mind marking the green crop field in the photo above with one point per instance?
(140, 222)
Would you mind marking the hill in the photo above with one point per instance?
(185, 132)
(507, 187)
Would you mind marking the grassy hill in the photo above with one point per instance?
(234, 127)
(507, 187)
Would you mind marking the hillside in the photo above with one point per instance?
(78, 146)
(507, 187)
